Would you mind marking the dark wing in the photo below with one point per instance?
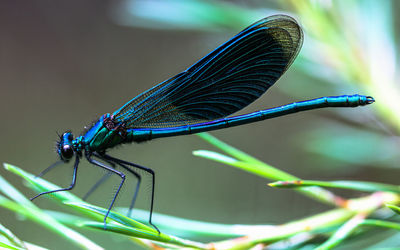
(223, 82)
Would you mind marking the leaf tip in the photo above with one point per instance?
(196, 152)
(394, 208)
(7, 166)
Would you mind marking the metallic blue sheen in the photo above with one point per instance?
(332, 101)
(201, 98)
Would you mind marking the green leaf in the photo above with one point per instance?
(7, 189)
(128, 226)
(42, 185)
(350, 226)
(234, 152)
(354, 185)
(342, 233)
(131, 231)
(26, 208)
(11, 237)
(381, 223)
(66, 219)
(151, 235)
(262, 170)
(7, 246)
(194, 228)
(87, 208)
(255, 166)
(395, 209)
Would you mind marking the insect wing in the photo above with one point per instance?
(223, 82)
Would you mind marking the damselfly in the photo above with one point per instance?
(200, 99)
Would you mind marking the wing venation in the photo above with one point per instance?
(223, 82)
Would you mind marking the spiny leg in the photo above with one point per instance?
(148, 170)
(122, 175)
(63, 189)
(139, 179)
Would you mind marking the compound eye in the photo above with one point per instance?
(67, 152)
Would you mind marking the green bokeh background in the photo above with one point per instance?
(65, 63)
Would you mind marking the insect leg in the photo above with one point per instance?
(63, 189)
(124, 164)
(122, 175)
(139, 179)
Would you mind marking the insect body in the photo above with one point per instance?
(200, 99)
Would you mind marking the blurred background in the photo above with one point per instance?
(65, 63)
